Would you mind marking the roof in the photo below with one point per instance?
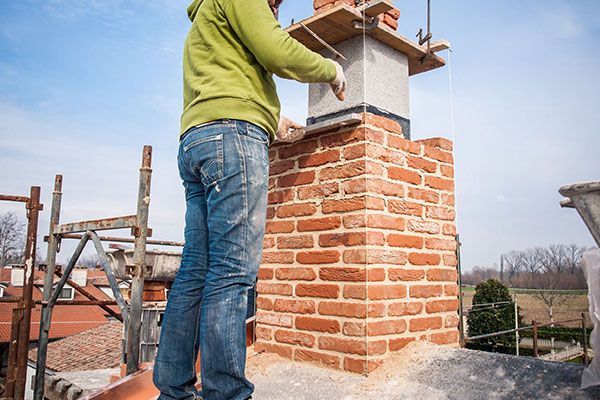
(67, 320)
(97, 348)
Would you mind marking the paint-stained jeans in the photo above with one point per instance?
(224, 167)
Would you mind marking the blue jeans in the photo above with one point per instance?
(224, 166)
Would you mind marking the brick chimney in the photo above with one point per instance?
(360, 250)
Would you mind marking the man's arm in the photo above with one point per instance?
(275, 49)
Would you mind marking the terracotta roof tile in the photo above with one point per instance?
(97, 348)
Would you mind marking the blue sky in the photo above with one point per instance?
(83, 85)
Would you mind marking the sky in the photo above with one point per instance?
(84, 85)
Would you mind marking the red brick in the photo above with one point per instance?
(281, 196)
(326, 360)
(356, 151)
(270, 212)
(318, 257)
(295, 274)
(445, 337)
(343, 274)
(399, 344)
(399, 240)
(283, 351)
(376, 310)
(263, 333)
(439, 183)
(295, 242)
(428, 196)
(263, 303)
(385, 256)
(447, 171)
(450, 260)
(439, 142)
(296, 210)
(403, 144)
(279, 227)
(353, 204)
(268, 242)
(451, 321)
(404, 175)
(318, 191)
(319, 224)
(281, 166)
(351, 346)
(354, 329)
(386, 292)
(343, 309)
(355, 292)
(265, 273)
(384, 123)
(440, 155)
(317, 159)
(355, 221)
(449, 229)
(448, 199)
(394, 13)
(351, 239)
(424, 259)
(361, 366)
(386, 188)
(437, 306)
(296, 179)
(278, 257)
(440, 213)
(297, 338)
(440, 244)
(405, 207)
(385, 222)
(424, 291)
(401, 274)
(297, 149)
(423, 324)
(342, 138)
(404, 308)
(318, 290)
(283, 320)
(385, 154)
(387, 327)
(274, 288)
(343, 171)
(317, 324)
(295, 306)
(420, 226)
(421, 164)
(451, 290)
(442, 274)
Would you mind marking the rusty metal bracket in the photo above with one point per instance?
(367, 24)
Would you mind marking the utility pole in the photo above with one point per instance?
(502, 268)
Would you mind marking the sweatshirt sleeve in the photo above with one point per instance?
(275, 49)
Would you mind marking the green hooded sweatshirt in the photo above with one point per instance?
(230, 54)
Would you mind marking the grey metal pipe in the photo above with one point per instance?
(40, 370)
(134, 326)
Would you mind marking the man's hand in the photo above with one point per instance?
(338, 85)
(289, 131)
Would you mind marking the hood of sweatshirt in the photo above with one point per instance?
(192, 9)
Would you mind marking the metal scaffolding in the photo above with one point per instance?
(86, 231)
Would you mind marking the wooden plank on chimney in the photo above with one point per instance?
(335, 26)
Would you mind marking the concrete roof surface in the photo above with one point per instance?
(422, 372)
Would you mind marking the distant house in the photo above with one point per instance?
(67, 320)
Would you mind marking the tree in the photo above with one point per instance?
(12, 239)
(489, 318)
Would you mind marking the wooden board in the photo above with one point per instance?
(335, 26)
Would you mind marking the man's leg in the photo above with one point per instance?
(236, 221)
(174, 370)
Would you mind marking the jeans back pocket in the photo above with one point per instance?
(204, 154)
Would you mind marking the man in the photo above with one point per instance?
(231, 115)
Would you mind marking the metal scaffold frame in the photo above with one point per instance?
(84, 231)
(21, 319)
